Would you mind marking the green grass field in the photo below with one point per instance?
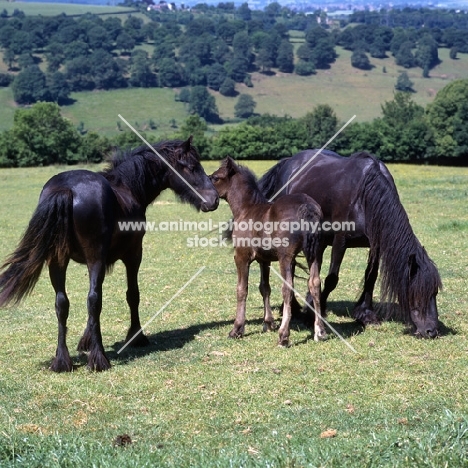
(195, 398)
(53, 9)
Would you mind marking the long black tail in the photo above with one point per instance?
(47, 237)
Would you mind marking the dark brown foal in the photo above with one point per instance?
(267, 232)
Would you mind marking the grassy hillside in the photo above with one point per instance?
(53, 9)
(348, 90)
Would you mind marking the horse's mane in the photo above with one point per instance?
(252, 186)
(166, 148)
(130, 166)
(267, 183)
(403, 260)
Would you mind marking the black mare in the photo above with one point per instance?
(360, 189)
(268, 232)
(78, 218)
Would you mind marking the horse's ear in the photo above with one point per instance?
(187, 145)
(231, 166)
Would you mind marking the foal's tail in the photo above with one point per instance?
(46, 238)
(312, 213)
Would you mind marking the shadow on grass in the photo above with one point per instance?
(163, 341)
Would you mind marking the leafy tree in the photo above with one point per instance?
(404, 56)
(5, 79)
(237, 68)
(125, 42)
(241, 45)
(203, 104)
(359, 59)
(93, 148)
(196, 126)
(57, 85)
(184, 95)
(113, 27)
(8, 57)
(304, 53)
(215, 76)
(447, 117)
(107, 73)
(378, 48)
(426, 55)
(98, 38)
(245, 106)
(404, 83)
(228, 87)
(453, 53)
(140, 72)
(264, 60)
(320, 124)
(134, 27)
(21, 42)
(304, 68)
(41, 136)
(55, 56)
(25, 60)
(285, 58)
(170, 73)
(78, 74)
(29, 86)
(323, 53)
(244, 12)
(194, 73)
(76, 49)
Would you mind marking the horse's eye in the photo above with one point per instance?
(214, 178)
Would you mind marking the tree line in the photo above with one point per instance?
(406, 132)
(211, 47)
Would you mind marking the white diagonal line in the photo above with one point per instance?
(160, 157)
(311, 308)
(312, 158)
(160, 310)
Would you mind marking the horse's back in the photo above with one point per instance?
(93, 211)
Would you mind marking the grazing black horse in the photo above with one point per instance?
(78, 218)
(360, 189)
(267, 232)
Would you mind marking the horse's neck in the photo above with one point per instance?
(242, 200)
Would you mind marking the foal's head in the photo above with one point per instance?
(222, 178)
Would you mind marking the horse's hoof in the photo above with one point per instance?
(284, 342)
(269, 326)
(321, 336)
(61, 365)
(235, 335)
(365, 316)
(139, 341)
(97, 362)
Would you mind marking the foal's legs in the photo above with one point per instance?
(265, 290)
(287, 291)
(242, 265)
(92, 339)
(314, 289)
(132, 264)
(62, 361)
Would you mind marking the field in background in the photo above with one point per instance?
(53, 9)
(196, 398)
(348, 90)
